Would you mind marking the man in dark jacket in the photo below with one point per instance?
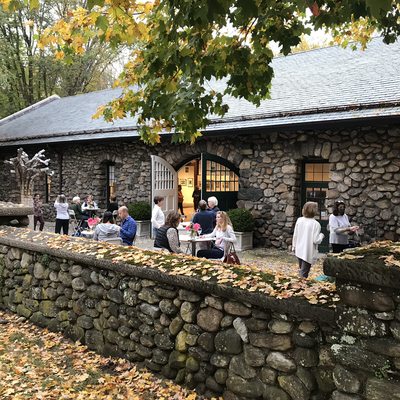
(128, 226)
(205, 218)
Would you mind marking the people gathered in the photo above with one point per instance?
(128, 226)
(38, 212)
(107, 229)
(340, 228)
(223, 234)
(306, 238)
(62, 217)
(167, 235)
(204, 217)
(157, 215)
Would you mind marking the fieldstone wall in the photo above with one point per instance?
(365, 173)
(216, 340)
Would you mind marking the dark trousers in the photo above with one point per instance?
(338, 248)
(62, 223)
(180, 207)
(215, 252)
(304, 268)
(36, 219)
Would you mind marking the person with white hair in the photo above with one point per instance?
(77, 208)
(213, 207)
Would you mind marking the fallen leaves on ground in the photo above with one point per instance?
(275, 283)
(38, 364)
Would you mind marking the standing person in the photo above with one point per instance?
(62, 218)
(306, 238)
(113, 205)
(213, 206)
(180, 200)
(37, 212)
(196, 197)
(340, 228)
(106, 229)
(128, 226)
(168, 236)
(204, 217)
(223, 232)
(157, 215)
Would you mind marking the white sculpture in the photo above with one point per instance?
(27, 170)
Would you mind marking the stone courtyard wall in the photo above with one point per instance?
(219, 340)
(365, 173)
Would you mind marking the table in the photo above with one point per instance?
(88, 234)
(91, 211)
(190, 240)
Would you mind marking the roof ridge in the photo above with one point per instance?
(329, 46)
(32, 107)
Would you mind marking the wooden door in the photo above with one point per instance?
(164, 182)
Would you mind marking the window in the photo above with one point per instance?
(317, 172)
(220, 178)
(111, 183)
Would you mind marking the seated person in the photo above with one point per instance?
(223, 232)
(106, 229)
(204, 217)
(113, 205)
(167, 236)
(128, 226)
(79, 215)
(89, 206)
(213, 207)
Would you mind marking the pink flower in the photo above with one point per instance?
(196, 227)
(187, 228)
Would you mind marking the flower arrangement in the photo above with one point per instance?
(193, 229)
(92, 222)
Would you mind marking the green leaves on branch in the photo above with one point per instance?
(187, 55)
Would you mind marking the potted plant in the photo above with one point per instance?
(243, 225)
(141, 213)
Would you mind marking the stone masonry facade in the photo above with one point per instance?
(215, 343)
(364, 172)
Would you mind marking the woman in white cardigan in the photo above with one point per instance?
(306, 238)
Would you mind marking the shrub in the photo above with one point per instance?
(242, 220)
(140, 211)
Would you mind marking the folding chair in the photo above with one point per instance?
(76, 225)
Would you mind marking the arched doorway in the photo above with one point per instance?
(213, 175)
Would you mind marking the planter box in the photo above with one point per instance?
(244, 241)
(143, 228)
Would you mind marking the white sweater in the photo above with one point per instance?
(157, 217)
(306, 238)
(224, 236)
(62, 210)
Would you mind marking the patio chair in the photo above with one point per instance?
(76, 225)
(113, 241)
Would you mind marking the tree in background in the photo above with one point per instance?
(180, 49)
(29, 72)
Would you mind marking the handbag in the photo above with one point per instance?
(231, 257)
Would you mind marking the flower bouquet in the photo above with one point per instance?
(92, 222)
(193, 229)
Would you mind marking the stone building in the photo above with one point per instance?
(330, 131)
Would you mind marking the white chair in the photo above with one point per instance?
(113, 241)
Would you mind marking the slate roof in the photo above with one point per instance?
(318, 86)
